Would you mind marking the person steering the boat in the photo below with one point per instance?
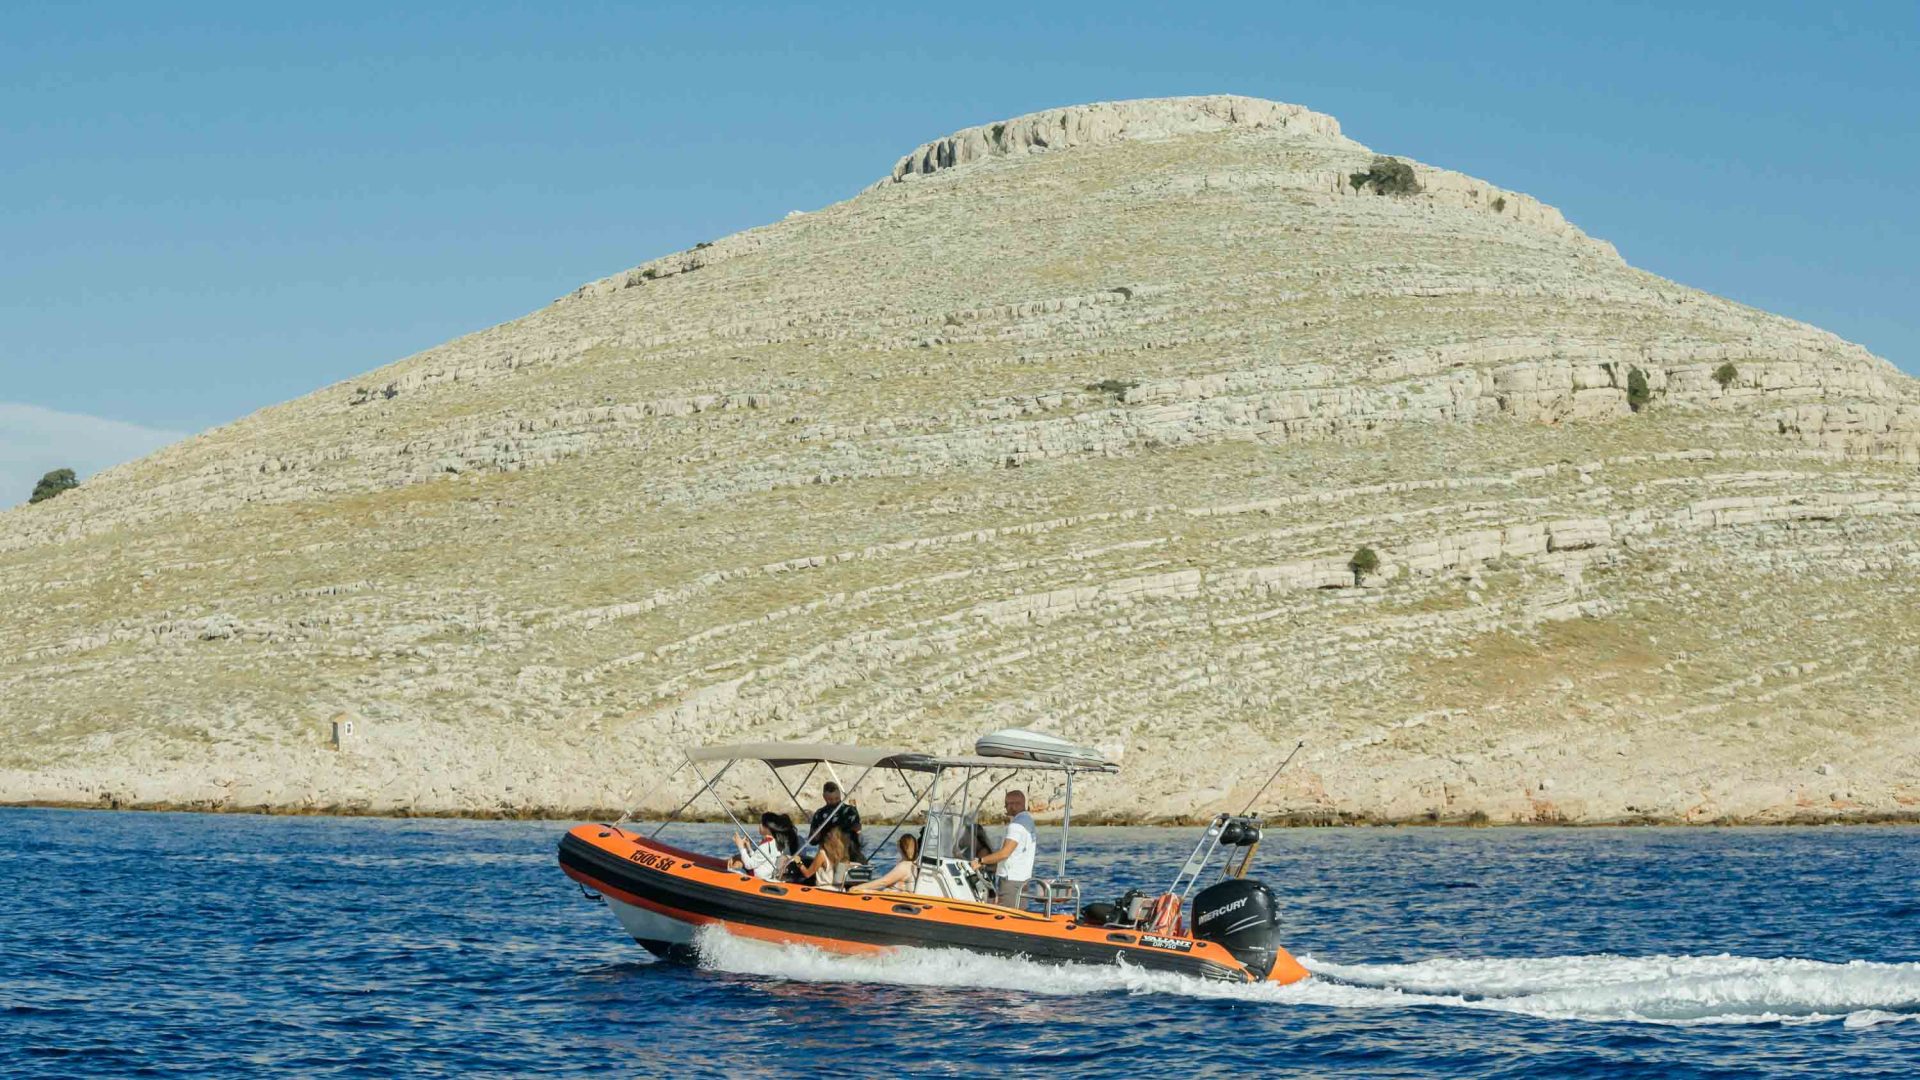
(902, 874)
(839, 814)
(1014, 860)
(779, 842)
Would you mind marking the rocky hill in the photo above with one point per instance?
(1075, 421)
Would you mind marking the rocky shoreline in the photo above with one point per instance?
(1802, 819)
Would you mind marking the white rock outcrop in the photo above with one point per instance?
(1107, 122)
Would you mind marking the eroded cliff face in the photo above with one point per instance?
(1073, 421)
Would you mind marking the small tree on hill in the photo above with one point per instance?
(52, 484)
(1387, 176)
(1725, 374)
(1364, 562)
(1638, 392)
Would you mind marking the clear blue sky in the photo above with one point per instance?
(205, 209)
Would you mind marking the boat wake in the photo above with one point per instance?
(1669, 990)
(1679, 990)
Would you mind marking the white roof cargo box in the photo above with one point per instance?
(1037, 746)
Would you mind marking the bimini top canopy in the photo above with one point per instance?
(782, 754)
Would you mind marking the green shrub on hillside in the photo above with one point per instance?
(52, 484)
(1725, 374)
(1638, 392)
(1388, 176)
(1364, 562)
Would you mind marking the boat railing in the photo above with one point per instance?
(1052, 894)
(1239, 834)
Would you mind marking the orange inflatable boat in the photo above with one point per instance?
(663, 895)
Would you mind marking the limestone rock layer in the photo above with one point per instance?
(1074, 421)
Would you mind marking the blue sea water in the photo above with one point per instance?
(181, 945)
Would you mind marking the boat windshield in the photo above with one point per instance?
(948, 835)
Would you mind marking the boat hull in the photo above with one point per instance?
(663, 895)
(661, 934)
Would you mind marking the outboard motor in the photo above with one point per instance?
(1242, 917)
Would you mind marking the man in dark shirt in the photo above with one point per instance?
(844, 815)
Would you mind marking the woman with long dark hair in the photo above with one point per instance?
(783, 831)
(981, 844)
(779, 843)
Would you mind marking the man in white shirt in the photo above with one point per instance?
(1015, 857)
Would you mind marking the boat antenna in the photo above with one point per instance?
(1271, 779)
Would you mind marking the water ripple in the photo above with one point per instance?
(174, 945)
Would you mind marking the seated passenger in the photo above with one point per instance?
(779, 841)
(902, 874)
(784, 833)
(828, 867)
(982, 845)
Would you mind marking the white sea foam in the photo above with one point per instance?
(1672, 990)
(1655, 989)
(1867, 1018)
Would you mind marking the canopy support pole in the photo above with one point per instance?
(989, 792)
(790, 792)
(703, 790)
(627, 815)
(1066, 820)
(904, 818)
(932, 832)
(709, 785)
(845, 795)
